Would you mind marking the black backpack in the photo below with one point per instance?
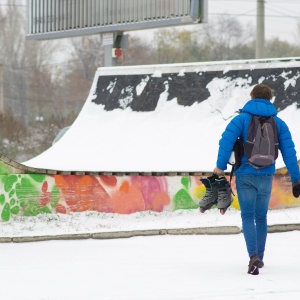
(237, 153)
(236, 156)
(261, 147)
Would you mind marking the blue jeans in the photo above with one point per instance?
(254, 193)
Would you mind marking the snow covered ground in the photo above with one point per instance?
(96, 222)
(165, 267)
(154, 268)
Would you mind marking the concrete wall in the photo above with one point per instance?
(33, 194)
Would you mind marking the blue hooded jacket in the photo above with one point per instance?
(238, 127)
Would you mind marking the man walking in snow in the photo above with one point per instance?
(254, 184)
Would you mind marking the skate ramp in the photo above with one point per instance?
(167, 118)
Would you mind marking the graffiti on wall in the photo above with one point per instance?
(33, 194)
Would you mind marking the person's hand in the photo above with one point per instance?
(220, 172)
(296, 188)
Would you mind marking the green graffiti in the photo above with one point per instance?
(55, 194)
(31, 209)
(34, 209)
(183, 200)
(23, 194)
(185, 182)
(45, 210)
(2, 199)
(3, 169)
(26, 190)
(9, 182)
(28, 195)
(11, 193)
(5, 215)
(15, 210)
(38, 177)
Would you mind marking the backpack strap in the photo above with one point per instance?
(231, 174)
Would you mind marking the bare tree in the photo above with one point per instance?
(277, 48)
(24, 62)
(139, 52)
(175, 46)
(88, 51)
(221, 35)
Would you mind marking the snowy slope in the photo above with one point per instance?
(167, 117)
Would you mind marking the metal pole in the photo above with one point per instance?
(108, 43)
(108, 60)
(260, 29)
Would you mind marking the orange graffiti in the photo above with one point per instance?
(82, 193)
(60, 209)
(282, 193)
(128, 199)
(45, 197)
(109, 180)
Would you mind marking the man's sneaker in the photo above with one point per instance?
(253, 268)
(211, 195)
(224, 194)
(261, 264)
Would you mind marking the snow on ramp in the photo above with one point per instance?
(167, 118)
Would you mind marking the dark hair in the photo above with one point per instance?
(261, 91)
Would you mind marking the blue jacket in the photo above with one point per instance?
(238, 127)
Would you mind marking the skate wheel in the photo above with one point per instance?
(202, 210)
(222, 211)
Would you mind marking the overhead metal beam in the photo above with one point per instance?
(50, 19)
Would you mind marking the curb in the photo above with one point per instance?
(283, 228)
(128, 234)
(136, 233)
(206, 230)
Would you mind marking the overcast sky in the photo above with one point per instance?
(281, 16)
